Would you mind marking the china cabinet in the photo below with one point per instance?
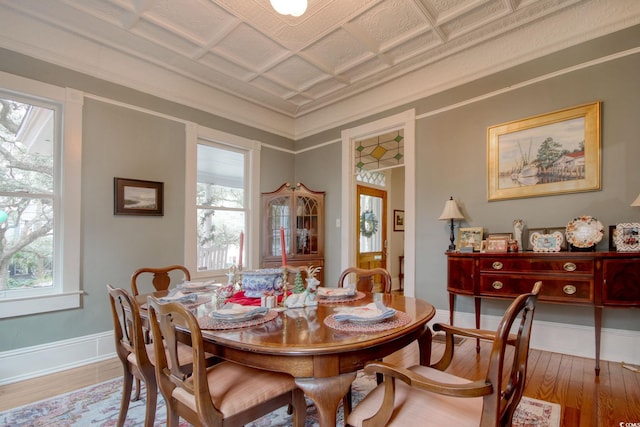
(594, 279)
(295, 214)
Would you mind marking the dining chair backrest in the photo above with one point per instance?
(202, 395)
(160, 277)
(132, 351)
(165, 320)
(438, 398)
(366, 278)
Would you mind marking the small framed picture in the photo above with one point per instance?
(469, 237)
(527, 243)
(483, 246)
(497, 245)
(561, 230)
(507, 236)
(613, 231)
(628, 237)
(398, 220)
(547, 242)
(136, 197)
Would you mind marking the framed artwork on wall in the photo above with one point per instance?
(137, 197)
(398, 220)
(549, 154)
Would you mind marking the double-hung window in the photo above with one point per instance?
(222, 189)
(40, 154)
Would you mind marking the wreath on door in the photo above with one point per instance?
(368, 223)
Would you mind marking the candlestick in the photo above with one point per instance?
(283, 247)
(241, 248)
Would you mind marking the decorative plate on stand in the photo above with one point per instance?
(584, 232)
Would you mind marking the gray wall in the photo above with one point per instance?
(451, 159)
(123, 142)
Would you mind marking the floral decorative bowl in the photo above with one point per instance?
(255, 283)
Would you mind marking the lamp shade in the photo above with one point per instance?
(451, 210)
(636, 202)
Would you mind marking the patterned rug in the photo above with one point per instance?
(98, 405)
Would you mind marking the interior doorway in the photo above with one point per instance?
(349, 213)
(371, 235)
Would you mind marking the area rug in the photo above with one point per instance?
(98, 405)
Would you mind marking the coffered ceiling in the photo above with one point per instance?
(242, 50)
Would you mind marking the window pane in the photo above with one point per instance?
(220, 177)
(26, 189)
(26, 158)
(219, 238)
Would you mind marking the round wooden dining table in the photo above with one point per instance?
(321, 355)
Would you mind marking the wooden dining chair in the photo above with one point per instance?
(365, 281)
(137, 356)
(226, 394)
(160, 277)
(133, 353)
(365, 278)
(422, 395)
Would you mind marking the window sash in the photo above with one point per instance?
(65, 293)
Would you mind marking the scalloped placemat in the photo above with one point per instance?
(400, 319)
(341, 300)
(207, 322)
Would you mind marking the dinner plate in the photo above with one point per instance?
(238, 313)
(371, 320)
(194, 286)
(336, 292)
(364, 314)
(239, 318)
(584, 231)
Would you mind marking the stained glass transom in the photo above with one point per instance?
(380, 152)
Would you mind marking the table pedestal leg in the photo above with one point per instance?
(326, 393)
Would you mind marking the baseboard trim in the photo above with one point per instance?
(31, 362)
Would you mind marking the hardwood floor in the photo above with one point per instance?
(36, 389)
(587, 400)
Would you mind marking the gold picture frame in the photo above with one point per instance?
(469, 237)
(549, 154)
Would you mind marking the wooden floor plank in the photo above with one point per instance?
(586, 400)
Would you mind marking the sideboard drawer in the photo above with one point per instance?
(574, 290)
(533, 264)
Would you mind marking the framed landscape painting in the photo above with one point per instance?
(136, 197)
(549, 154)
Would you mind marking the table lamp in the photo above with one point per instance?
(636, 202)
(452, 213)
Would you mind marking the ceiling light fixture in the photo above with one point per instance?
(289, 7)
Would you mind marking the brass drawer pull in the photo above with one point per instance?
(497, 265)
(497, 285)
(569, 289)
(569, 266)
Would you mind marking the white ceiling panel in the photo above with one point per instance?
(291, 66)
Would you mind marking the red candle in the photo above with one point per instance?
(241, 247)
(283, 246)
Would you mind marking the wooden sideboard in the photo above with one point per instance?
(595, 279)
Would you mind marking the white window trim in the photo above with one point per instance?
(194, 133)
(68, 243)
